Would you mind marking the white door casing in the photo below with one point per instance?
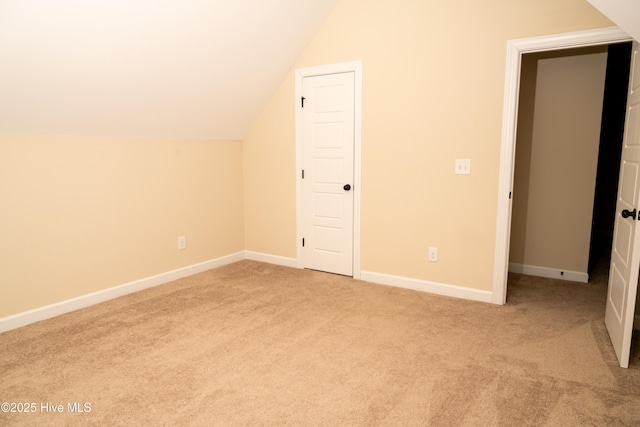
(625, 254)
(515, 50)
(328, 149)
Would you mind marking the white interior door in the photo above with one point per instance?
(328, 117)
(625, 254)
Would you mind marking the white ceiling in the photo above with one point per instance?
(624, 13)
(201, 69)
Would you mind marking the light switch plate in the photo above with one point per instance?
(463, 167)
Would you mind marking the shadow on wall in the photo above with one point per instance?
(611, 137)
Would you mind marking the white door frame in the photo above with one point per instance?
(345, 67)
(515, 50)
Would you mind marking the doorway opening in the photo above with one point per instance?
(623, 278)
(515, 50)
(571, 116)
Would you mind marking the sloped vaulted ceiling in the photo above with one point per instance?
(198, 69)
(624, 13)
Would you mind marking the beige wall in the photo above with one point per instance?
(556, 158)
(269, 178)
(83, 214)
(433, 92)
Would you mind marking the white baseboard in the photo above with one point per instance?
(553, 273)
(52, 310)
(385, 279)
(426, 286)
(271, 259)
(22, 319)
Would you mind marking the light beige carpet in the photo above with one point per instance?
(257, 344)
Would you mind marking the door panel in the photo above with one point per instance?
(625, 255)
(328, 153)
(630, 174)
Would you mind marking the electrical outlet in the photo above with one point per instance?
(433, 254)
(463, 166)
(182, 243)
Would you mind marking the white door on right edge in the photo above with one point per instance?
(625, 253)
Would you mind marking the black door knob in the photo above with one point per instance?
(627, 214)
(347, 187)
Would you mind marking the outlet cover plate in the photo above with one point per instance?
(463, 167)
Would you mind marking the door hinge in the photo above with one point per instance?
(303, 98)
(302, 173)
(509, 194)
(303, 242)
